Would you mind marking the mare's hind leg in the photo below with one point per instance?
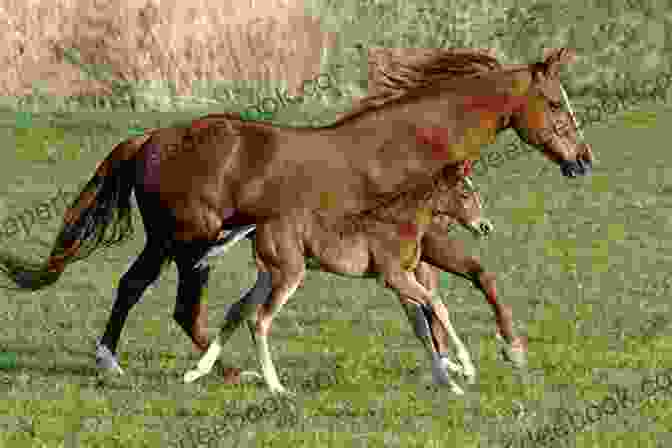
(140, 275)
(448, 255)
(190, 312)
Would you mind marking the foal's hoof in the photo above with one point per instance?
(249, 374)
(516, 352)
(193, 375)
(281, 391)
(230, 375)
(443, 381)
(105, 360)
(516, 356)
(469, 377)
(466, 372)
(233, 375)
(457, 390)
(442, 378)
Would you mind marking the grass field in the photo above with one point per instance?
(582, 262)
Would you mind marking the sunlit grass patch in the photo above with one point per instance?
(639, 119)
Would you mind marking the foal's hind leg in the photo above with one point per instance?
(414, 299)
(427, 276)
(144, 270)
(237, 313)
(441, 326)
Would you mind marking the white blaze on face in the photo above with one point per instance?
(568, 105)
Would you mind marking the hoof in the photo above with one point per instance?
(281, 391)
(249, 374)
(457, 390)
(516, 352)
(447, 364)
(468, 373)
(105, 360)
(193, 375)
(470, 378)
(233, 375)
(515, 356)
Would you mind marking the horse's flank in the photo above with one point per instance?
(368, 156)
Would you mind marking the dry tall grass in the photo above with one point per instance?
(157, 40)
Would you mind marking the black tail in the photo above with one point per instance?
(99, 217)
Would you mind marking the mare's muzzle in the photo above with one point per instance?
(573, 168)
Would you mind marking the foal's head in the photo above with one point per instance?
(457, 201)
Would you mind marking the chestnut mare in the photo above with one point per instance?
(201, 189)
(372, 246)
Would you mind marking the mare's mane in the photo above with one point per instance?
(408, 77)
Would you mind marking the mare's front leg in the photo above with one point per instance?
(449, 255)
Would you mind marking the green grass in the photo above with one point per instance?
(583, 262)
(605, 233)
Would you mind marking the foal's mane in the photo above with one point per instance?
(407, 77)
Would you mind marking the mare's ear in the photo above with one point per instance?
(554, 59)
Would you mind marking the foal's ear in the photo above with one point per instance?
(554, 59)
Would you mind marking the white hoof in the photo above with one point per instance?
(516, 353)
(193, 375)
(447, 364)
(280, 390)
(441, 375)
(251, 375)
(454, 388)
(105, 360)
(469, 373)
(517, 356)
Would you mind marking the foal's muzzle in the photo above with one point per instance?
(481, 228)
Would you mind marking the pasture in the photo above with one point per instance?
(583, 262)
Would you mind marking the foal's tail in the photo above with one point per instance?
(104, 201)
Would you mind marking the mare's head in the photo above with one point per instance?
(528, 98)
(545, 118)
(456, 200)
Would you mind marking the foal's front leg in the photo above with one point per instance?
(285, 284)
(448, 255)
